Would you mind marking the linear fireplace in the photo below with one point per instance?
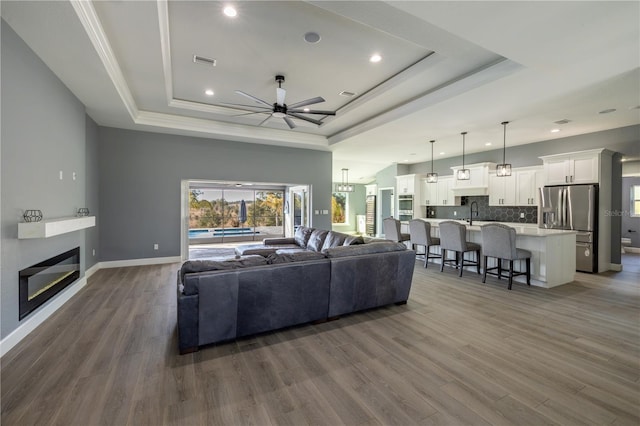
(39, 283)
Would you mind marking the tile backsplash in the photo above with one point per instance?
(485, 211)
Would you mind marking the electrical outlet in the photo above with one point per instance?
(521, 215)
(94, 252)
(61, 175)
(455, 213)
(73, 175)
(155, 246)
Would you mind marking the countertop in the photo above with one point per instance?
(524, 229)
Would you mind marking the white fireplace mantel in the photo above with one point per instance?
(52, 227)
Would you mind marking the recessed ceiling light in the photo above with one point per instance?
(306, 110)
(375, 58)
(607, 111)
(488, 144)
(312, 37)
(230, 11)
(555, 130)
(347, 93)
(406, 161)
(442, 153)
(622, 160)
(208, 92)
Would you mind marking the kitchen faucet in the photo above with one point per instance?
(471, 212)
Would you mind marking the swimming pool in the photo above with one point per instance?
(220, 232)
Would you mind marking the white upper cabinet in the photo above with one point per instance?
(429, 193)
(502, 190)
(371, 189)
(519, 189)
(527, 183)
(406, 184)
(439, 193)
(572, 168)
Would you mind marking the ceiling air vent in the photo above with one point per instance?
(563, 121)
(346, 93)
(204, 61)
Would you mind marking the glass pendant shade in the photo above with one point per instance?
(344, 186)
(463, 174)
(504, 169)
(432, 177)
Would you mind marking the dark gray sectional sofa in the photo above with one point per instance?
(223, 300)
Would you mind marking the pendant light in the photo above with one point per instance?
(504, 169)
(344, 186)
(432, 177)
(463, 174)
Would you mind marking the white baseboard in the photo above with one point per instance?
(616, 267)
(631, 249)
(41, 315)
(140, 262)
(37, 318)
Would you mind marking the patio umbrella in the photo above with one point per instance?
(242, 216)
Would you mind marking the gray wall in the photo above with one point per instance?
(43, 131)
(140, 175)
(625, 140)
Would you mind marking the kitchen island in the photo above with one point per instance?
(553, 251)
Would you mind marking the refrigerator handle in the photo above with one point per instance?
(564, 208)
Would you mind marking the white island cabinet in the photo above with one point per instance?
(553, 251)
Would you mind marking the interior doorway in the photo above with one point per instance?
(386, 207)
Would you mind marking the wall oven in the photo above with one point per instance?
(405, 203)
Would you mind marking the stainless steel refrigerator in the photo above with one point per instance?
(371, 215)
(573, 207)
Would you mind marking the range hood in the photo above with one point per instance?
(470, 190)
(479, 182)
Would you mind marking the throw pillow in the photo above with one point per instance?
(316, 240)
(334, 239)
(302, 236)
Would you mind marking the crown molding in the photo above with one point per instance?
(93, 27)
(232, 131)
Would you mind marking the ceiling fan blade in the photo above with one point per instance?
(301, 117)
(258, 100)
(266, 111)
(311, 101)
(265, 120)
(312, 111)
(289, 122)
(280, 94)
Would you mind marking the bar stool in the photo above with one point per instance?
(420, 232)
(392, 232)
(453, 236)
(499, 241)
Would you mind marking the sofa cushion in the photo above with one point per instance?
(334, 239)
(302, 236)
(316, 240)
(293, 255)
(194, 266)
(361, 249)
(353, 240)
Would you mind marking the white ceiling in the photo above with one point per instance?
(447, 67)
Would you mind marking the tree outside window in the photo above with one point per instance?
(339, 208)
(635, 200)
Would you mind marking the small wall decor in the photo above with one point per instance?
(32, 215)
(83, 212)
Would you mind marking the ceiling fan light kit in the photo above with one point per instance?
(281, 110)
(504, 169)
(463, 174)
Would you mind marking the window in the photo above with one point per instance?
(339, 212)
(635, 200)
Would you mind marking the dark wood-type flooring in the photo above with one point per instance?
(458, 353)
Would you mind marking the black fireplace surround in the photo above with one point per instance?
(40, 282)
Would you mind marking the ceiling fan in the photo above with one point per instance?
(281, 110)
